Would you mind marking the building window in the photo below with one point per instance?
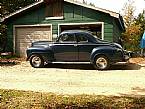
(54, 8)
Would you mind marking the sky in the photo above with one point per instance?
(117, 5)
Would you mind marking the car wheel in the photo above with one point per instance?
(36, 61)
(101, 62)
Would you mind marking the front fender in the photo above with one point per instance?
(110, 52)
(46, 53)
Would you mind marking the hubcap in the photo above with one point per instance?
(101, 63)
(36, 61)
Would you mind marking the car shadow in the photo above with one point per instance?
(71, 66)
(129, 66)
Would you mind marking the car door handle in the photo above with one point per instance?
(75, 45)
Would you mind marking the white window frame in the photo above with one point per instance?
(54, 18)
(89, 23)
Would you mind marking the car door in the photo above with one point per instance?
(85, 47)
(66, 48)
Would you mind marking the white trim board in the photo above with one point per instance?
(54, 18)
(89, 23)
(18, 26)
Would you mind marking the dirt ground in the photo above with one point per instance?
(126, 79)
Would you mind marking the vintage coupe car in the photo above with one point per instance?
(76, 46)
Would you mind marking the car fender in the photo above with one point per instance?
(102, 50)
(46, 53)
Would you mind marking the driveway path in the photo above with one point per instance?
(75, 79)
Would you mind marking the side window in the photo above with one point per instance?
(67, 38)
(82, 38)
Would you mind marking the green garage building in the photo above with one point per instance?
(45, 19)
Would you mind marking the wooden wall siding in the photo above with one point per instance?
(54, 9)
(116, 31)
(108, 32)
(72, 14)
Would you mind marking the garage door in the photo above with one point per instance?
(24, 36)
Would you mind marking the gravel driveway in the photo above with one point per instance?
(75, 79)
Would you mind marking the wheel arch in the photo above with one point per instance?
(46, 55)
(105, 50)
(99, 54)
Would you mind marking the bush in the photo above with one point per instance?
(3, 37)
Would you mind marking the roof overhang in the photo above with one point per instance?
(21, 10)
(113, 14)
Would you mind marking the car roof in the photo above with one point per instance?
(75, 31)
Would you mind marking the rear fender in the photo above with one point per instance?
(105, 50)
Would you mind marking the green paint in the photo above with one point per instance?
(72, 14)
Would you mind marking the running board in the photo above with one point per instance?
(70, 62)
(118, 63)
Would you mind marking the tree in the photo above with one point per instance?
(2, 37)
(140, 20)
(84, 2)
(128, 13)
(7, 7)
(132, 36)
(92, 4)
(134, 27)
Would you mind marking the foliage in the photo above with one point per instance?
(2, 37)
(140, 20)
(85, 2)
(92, 4)
(7, 7)
(128, 13)
(132, 37)
(134, 27)
(10, 99)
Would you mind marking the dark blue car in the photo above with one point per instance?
(76, 46)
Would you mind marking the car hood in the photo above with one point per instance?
(41, 43)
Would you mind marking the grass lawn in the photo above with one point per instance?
(13, 99)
